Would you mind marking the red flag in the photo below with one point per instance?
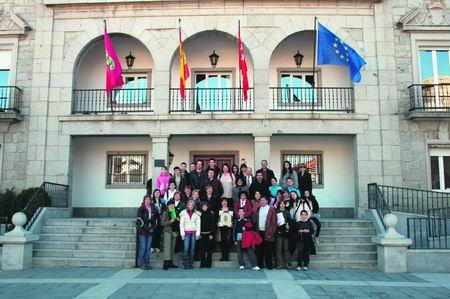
(243, 66)
(184, 70)
(113, 67)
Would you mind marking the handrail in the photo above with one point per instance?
(47, 195)
(429, 97)
(10, 97)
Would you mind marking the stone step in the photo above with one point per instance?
(343, 247)
(61, 262)
(337, 255)
(335, 239)
(346, 223)
(87, 230)
(342, 264)
(120, 254)
(347, 231)
(128, 238)
(102, 222)
(84, 245)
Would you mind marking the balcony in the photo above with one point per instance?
(211, 100)
(327, 99)
(95, 101)
(10, 99)
(429, 100)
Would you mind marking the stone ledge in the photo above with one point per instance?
(427, 115)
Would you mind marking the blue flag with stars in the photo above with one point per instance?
(333, 50)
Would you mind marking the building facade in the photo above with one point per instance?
(64, 128)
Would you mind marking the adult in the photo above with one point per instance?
(267, 173)
(290, 186)
(184, 172)
(187, 193)
(240, 186)
(212, 165)
(225, 224)
(282, 237)
(243, 203)
(160, 206)
(190, 233)
(197, 176)
(248, 177)
(213, 182)
(315, 216)
(170, 222)
(259, 185)
(207, 232)
(162, 181)
(146, 223)
(288, 172)
(242, 225)
(192, 167)
(211, 199)
(178, 179)
(265, 220)
(235, 170)
(274, 188)
(170, 192)
(304, 179)
(227, 180)
(242, 170)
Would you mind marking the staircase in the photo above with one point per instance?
(107, 242)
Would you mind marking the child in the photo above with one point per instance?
(315, 215)
(225, 225)
(242, 224)
(305, 231)
(171, 192)
(190, 232)
(282, 237)
(169, 222)
(207, 231)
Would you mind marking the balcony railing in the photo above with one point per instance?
(312, 99)
(211, 100)
(429, 97)
(10, 98)
(120, 100)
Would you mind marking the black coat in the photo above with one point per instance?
(314, 203)
(215, 183)
(196, 179)
(149, 221)
(268, 174)
(182, 183)
(304, 182)
(262, 187)
(207, 222)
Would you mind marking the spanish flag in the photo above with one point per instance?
(184, 69)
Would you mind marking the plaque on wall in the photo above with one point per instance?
(160, 163)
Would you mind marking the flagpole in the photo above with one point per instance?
(110, 95)
(239, 61)
(314, 61)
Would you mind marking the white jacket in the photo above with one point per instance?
(189, 223)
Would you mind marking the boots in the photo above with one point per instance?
(166, 265)
(172, 265)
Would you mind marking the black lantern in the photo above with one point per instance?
(298, 59)
(214, 58)
(130, 60)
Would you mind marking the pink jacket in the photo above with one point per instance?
(162, 183)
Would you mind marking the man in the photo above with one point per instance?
(197, 176)
(248, 177)
(265, 220)
(184, 172)
(192, 167)
(178, 179)
(213, 201)
(267, 173)
(212, 165)
(304, 179)
(213, 182)
(259, 185)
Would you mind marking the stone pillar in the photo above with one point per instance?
(160, 154)
(262, 148)
(392, 248)
(17, 250)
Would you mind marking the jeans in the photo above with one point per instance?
(156, 242)
(249, 251)
(189, 249)
(318, 225)
(144, 249)
(282, 252)
(303, 251)
(225, 236)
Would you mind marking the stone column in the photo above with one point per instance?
(160, 154)
(392, 248)
(17, 250)
(262, 148)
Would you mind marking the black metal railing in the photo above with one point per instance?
(48, 195)
(432, 232)
(10, 97)
(406, 200)
(377, 202)
(3, 225)
(429, 97)
(312, 99)
(211, 100)
(120, 100)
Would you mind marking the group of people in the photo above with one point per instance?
(265, 219)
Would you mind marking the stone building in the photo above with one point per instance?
(65, 130)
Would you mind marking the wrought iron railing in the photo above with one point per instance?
(429, 97)
(3, 225)
(211, 100)
(377, 202)
(312, 99)
(120, 100)
(10, 97)
(48, 195)
(432, 232)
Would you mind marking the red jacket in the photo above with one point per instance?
(271, 224)
(250, 238)
(247, 208)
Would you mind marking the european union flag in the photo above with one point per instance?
(333, 50)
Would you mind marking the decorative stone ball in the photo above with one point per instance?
(19, 219)
(390, 220)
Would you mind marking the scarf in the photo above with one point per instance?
(172, 213)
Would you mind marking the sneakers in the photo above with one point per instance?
(305, 268)
(256, 268)
(157, 250)
(299, 269)
(241, 267)
(152, 250)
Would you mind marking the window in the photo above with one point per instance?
(296, 87)
(5, 74)
(126, 169)
(135, 90)
(313, 162)
(435, 72)
(213, 90)
(440, 172)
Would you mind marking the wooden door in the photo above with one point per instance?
(220, 159)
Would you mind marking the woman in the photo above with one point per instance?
(243, 203)
(255, 201)
(315, 216)
(235, 170)
(227, 179)
(190, 232)
(288, 172)
(238, 188)
(162, 181)
(274, 188)
(170, 222)
(146, 223)
(225, 225)
(282, 237)
(170, 192)
(160, 207)
(207, 232)
(242, 171)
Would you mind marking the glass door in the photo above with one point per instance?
(296, 87)
(435, 77)
(134, 91)
(213, 91)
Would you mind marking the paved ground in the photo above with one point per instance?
(219, 283)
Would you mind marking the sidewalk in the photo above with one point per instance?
(219, 283)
